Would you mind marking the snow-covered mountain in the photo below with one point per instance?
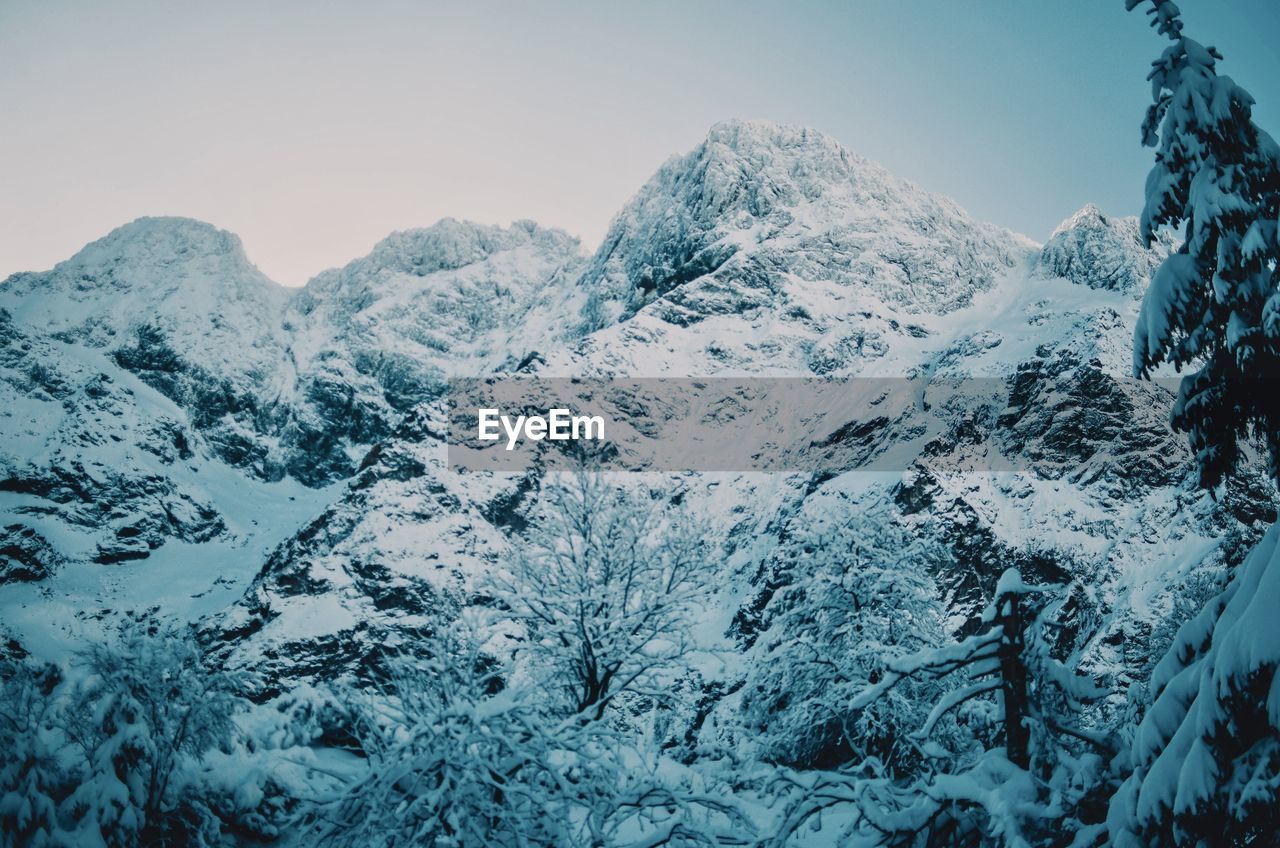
(158, 389)
(773, 247)
(180, 432)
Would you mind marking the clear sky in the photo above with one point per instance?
(313, 129)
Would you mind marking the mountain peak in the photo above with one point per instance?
(450, 244)
(760, 164)
(745, 135)
(178, 274)
(150, 258)
(1100, 252)
(434, 295)
(758, 199)
(1088, 216)
(160, 242)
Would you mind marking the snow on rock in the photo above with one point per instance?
(1091, 249)
(393, 555)
(187, 280)
(768, 250)
(176, 303)
(369, 341)
(759, 208)
(91, 458)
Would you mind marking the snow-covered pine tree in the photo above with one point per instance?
(1214, 304)
(1206, 757)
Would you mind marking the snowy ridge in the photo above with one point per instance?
(768, 250)
(454, 298)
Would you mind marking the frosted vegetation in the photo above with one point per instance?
(245, 602)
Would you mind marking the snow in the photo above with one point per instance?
(184, 580)
(768, 251)
(421, 286)
(184, 276)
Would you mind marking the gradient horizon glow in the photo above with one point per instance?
(314, 130)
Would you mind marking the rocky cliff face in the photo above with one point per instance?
(369, 341)
(1093, 250)
(757, 204)
(165, 397)
(159, 356)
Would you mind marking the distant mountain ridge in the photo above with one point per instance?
(183, 434)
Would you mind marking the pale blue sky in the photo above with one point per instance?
(314, 129)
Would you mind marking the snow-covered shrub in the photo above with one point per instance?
(1044, 784)
(455, 759)
(457, 756)
(284, 755)
(32, 780)
(143, 712)
(311, 715)
(111, 750)
(859, 594)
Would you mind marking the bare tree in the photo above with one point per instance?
(603, 589)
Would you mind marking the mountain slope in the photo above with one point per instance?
(767, 251)
(158, 357)
(773, 244)
(1105, 461)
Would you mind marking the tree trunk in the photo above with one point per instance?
(1013, 680)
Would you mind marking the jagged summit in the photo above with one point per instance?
(761, 202)
(369, 341)
(757, 166)
(1101, 252)
(786, 158)
(438, 288)
(1088, 215)
(450, 244)
(160, 238)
